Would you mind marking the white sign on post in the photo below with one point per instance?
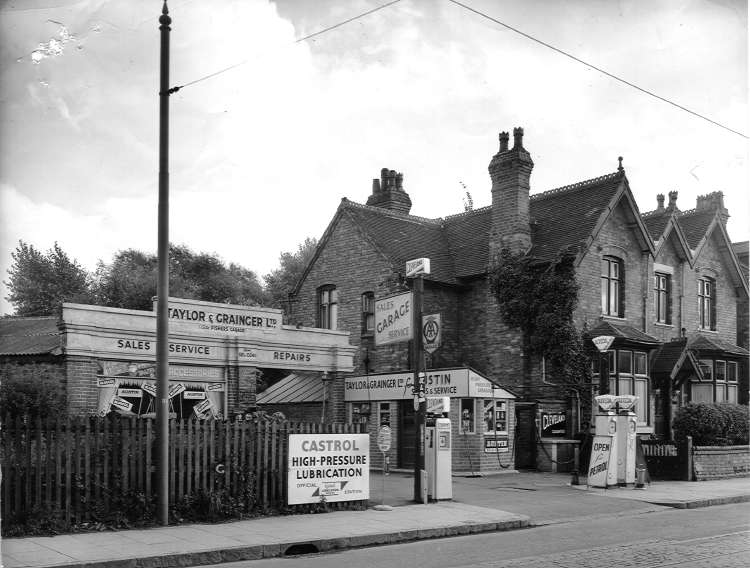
(603, 342)
(384, 438)
(601, 450)
(334, 467)
(393, 319)
(417, 266)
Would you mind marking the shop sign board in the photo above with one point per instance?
(176, 389)
(431, 332)
(130, 393)
(219, 318)
(194, 395)
(150, 388)
(106, 382)
(330, 467)
(122, 404)
(417, 266)
(495, 444)
(453, 383)
(393, 319)
(554, 424)
(601, 448)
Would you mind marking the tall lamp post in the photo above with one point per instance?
(162, 288)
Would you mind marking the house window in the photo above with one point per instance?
(328, 307)
(496, 416)
(731, 381)
(706, 303)
(612, 288)
(368, 313)
(384, 414)
(662, 298)
(360, 412)
(467, 415)
(628, 374)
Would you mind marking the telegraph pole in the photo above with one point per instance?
(420, 400)
(162, 289)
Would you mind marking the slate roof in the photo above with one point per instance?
(668, 356)
(30, 336)
(707, 343)
(458, 246)
(565, 217)
(694, 225)
(295, 388)
(655, 223)
(619, 331)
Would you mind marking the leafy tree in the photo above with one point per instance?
(39, 283)
(129, 281)
(281, 281)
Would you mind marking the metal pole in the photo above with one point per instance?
(162, 290)
(420, 412)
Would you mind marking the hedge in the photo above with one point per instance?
(712, 424)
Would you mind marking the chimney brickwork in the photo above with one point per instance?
(388, 192)
(510, 171)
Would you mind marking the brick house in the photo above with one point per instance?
(665, 284)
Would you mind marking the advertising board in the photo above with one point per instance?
(328, 467)
(393, 319)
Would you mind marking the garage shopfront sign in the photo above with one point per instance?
(454, 383)
(328, 467)
(222, 318)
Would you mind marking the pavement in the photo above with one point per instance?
(501, 502)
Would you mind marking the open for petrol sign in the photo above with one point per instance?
(330, 467)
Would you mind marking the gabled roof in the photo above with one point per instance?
(30, 336)
(696, 224)
(295, 388)
(563, 219)
(663, 227)
(677, 358)
(714, 344)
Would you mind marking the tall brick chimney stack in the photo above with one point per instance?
(388, 192)
(713, 202)
(510, 171)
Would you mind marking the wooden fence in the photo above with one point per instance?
(84, 469)
(668, 460)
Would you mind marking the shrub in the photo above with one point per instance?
(712, 424)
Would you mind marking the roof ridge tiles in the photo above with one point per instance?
(577, 185)
(390, 213)
(468, 213)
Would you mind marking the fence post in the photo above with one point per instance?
(687, 460)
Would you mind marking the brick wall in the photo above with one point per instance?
(720, 462)
(668, 257)
(83, 394)
(242, 384)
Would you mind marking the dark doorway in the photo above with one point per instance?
(407, 427)
(526, 435)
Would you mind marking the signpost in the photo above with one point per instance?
(416, 269)
(603, 343)
(384, 444)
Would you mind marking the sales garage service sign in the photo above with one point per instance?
(328, 467)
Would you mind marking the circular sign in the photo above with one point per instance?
(430, 330)
(384, 438)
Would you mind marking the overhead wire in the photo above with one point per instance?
(599, 69)
(298, 40)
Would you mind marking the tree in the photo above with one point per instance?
(282, 281)
(129, 281)
(35, 394)
(39, 283)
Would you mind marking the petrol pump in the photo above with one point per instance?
(614, 442)
(437, 453)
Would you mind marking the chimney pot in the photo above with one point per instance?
(518, 137)
(375, 186)
(504, 141)
(660, 202)
(672, 200)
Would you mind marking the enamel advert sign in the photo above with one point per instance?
(328, 467)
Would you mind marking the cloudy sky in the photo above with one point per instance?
(262, 154)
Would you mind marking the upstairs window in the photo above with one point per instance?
(328, 307)
(368, 313)
(707, 303)
(612, 287)
(662, 298)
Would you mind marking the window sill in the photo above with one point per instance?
(703, 330)
(616, 318)
(665, 325)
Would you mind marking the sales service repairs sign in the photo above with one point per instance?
(334, 467)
